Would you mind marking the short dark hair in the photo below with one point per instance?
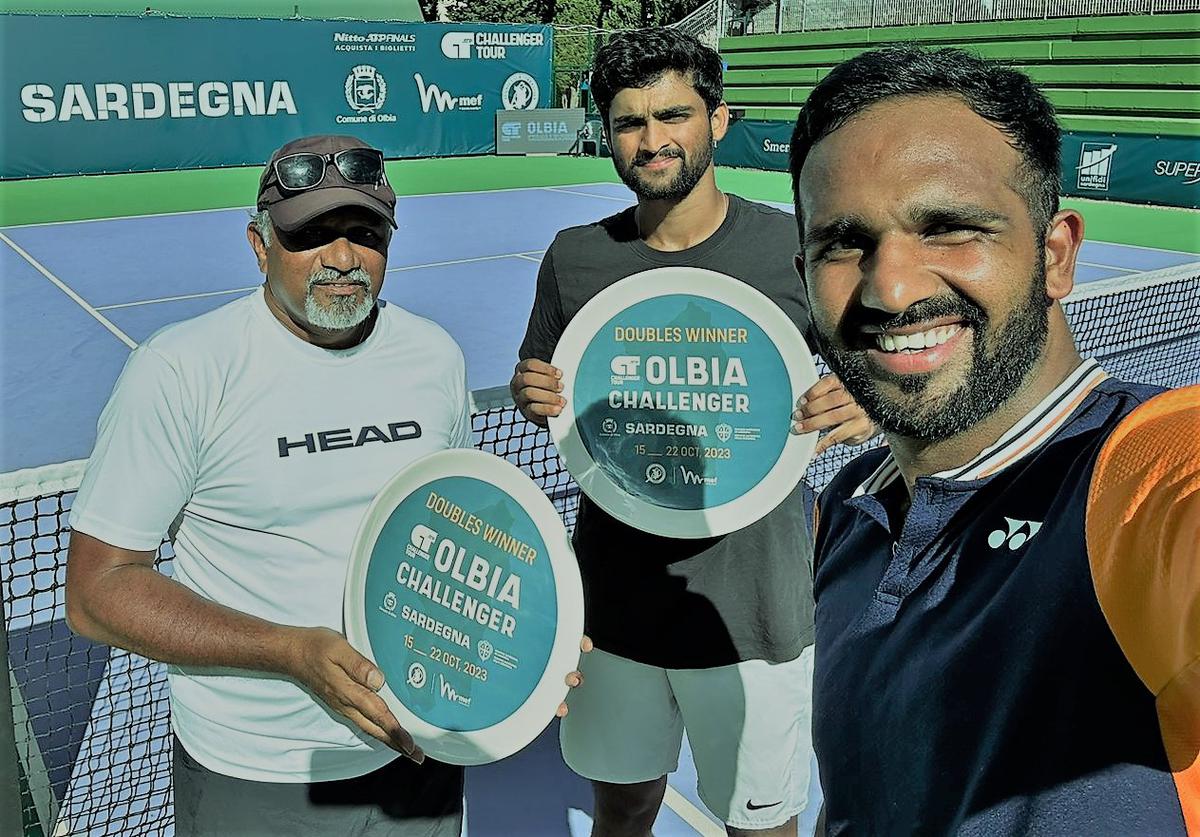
(641, 57)
(1003, 96)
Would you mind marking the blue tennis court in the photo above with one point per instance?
(76, 297)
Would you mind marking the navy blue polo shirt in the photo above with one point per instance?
(967, 677)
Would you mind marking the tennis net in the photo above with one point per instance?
(90, 724)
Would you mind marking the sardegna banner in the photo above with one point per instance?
(118, 94)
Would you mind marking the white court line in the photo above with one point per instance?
(528, 254)
(62, 286)
(248, 210)
(1110, 267)
(627, 201)
(174, 298)
(691, 815)
(245, 209)
(522, 255)
(1151, 249)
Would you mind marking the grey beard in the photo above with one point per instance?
(340, 314)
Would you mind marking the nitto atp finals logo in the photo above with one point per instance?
(1095, 166)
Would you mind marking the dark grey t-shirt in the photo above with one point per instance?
(685, 603)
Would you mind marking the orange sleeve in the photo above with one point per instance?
(1143, 540)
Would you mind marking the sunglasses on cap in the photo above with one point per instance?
(306, 169)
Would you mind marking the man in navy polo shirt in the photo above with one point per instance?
(1008, 595)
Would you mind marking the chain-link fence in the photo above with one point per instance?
(574, 52)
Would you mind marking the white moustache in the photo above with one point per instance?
(358, 276)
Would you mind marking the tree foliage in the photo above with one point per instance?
(501, 11)
(580, 25)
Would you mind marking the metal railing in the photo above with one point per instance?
(705, 22)
(817, 15)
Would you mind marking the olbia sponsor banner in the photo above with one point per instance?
(142, 94)
(464, 591)
(680, 383)
(543, 131)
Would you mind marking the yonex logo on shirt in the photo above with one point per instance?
(324, 440)
(1019, 533)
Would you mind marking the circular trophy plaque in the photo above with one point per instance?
(680, 384)
(463, 589)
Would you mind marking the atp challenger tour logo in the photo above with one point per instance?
(487, 45)
(154, 100)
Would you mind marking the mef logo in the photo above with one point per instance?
(1095, 166)
(366, 91)
(432, 95)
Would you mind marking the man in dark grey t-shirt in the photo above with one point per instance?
(707, 634)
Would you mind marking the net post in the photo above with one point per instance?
(10, 769)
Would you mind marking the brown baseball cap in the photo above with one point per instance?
(293, 208)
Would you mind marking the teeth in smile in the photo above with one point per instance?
(918, 341)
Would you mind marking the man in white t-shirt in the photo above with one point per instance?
(257, 434)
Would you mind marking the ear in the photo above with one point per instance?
(258, 246)
(1064, 235)
(720, 121)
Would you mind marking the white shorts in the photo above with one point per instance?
(749, 726)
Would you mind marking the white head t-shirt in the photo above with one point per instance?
(272, 449)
